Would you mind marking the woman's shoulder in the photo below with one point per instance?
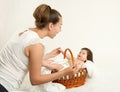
(29, 38)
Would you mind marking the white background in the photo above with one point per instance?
(86, 23)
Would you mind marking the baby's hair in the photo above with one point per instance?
(89, 54)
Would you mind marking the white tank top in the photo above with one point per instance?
(13, 62)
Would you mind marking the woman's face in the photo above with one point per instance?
(82, 55)
(55, 29)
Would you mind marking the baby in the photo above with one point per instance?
(84, 59)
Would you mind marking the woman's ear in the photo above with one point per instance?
(50, 26)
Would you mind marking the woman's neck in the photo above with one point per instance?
(41, 32)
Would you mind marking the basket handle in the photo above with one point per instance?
(71, 62)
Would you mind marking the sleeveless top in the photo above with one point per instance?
(13, 62)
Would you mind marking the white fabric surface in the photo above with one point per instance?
(55, 87)
(12, 55)
(104, 82)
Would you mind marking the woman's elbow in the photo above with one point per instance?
(35, 81)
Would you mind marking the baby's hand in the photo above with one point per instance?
(78, 64)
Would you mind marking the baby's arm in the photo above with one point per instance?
(79, 64)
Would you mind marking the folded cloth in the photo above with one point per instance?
(90, 68)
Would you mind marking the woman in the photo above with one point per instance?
(26, 52)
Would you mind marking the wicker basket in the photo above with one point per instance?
(76, 80)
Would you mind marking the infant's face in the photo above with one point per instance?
(82, 55)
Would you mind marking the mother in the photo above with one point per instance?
(26, 52)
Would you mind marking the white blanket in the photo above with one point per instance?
(104, 81)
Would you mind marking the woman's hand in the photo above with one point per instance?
(53, 53)
(71, 70)
(61, 51)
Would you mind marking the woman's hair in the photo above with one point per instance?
(89, 54)
(44, 14)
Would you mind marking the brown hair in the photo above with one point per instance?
(89, 54)
(43, 15)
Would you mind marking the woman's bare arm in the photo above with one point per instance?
(36, 53)
(52, 54)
